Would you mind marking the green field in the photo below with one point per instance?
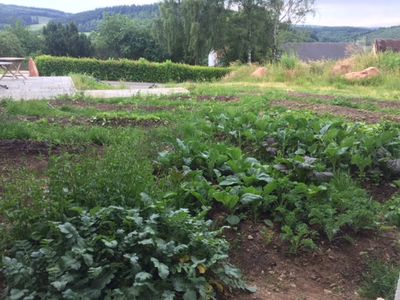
(286, 184)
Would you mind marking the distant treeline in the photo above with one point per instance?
(89, 20)
(10, 14)
(86, 21)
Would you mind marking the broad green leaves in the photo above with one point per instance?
(128, 253)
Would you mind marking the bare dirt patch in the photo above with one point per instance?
(383, 104)
(346, 112)
(381, 192)
(104, 122)
(32, 156)
(109, 106)
(2, 285)
(332, 272)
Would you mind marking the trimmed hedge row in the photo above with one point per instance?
(129, 70)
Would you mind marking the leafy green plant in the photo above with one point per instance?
(114, 252)
(306, 203)
(392, 211)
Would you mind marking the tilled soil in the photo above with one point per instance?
(31, 155)
(34, 154)
(346, 112)
(384, 104)
(332, 272)
(109, 122)
(109, 106)
(381, 192)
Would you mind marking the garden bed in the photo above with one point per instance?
(108, 107)
(346, 112)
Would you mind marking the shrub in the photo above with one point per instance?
(128, 70)
(289, 62)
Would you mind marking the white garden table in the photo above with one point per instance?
(12, 66)
(4, 66)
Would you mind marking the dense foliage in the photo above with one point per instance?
(142, 71)
(89, 21)
(17, 40)
(10, 45)
(121, 253)
(93, 234)
(299, 177)
(122, 37)
(241, 30)
(66, 40)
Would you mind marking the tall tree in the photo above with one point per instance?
(60, 40)
(287, 12)
(10, 44)
(31, 41)
(122, 37)
(189, 29)
(254, 18)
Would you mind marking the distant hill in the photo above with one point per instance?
(10, 14)
(384, 33)
(334, 34)
(87, 21)
(345, 34)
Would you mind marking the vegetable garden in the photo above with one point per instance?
(170, 198)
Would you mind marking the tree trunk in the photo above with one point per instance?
(275, 41)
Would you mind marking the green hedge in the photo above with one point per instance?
(129, 70)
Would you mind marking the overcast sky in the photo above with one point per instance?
(367, 13)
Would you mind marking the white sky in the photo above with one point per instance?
(359, 13)
(365, 13)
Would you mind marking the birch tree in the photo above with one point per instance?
(290, 12)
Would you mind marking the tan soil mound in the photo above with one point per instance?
(343, 67)
(259, 73)
(362, 75)
(33, 70)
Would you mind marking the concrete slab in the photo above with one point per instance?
(133, 85)
(37, 88)
(134, 92)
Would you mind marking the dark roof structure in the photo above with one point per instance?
(387, 45)
(318, 51)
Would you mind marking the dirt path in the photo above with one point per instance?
(333, 272)
(109, 106)
(383, 104)
(346, 112)
(104, 122)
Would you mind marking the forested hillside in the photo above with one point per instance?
(87, 21)
(341, 34)
(10, 14)
(385, 33)
(335, 34)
